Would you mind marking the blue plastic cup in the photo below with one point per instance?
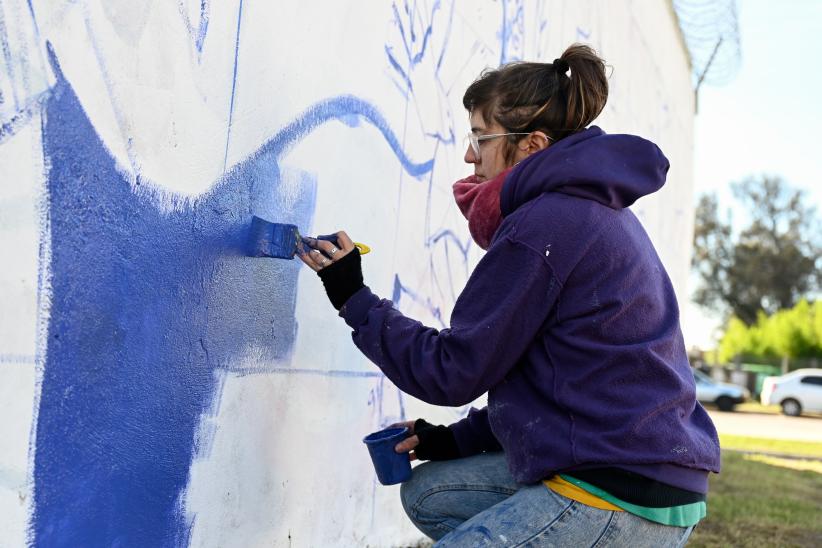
(391, 467)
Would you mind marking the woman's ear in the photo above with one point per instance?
(534, 142)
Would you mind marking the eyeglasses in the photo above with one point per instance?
(475, 139)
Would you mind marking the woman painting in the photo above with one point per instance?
(592, 434)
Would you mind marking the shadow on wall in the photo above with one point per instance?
(146, 306)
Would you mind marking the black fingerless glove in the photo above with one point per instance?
(342, 278)
(436, 442)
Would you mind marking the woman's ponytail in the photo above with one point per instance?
(525, 97)
(587, 89)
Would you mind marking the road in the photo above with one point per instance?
(764, 425)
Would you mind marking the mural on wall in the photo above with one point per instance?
(147, 307)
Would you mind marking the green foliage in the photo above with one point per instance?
(793, 333)
(769, 264)
(753, 504)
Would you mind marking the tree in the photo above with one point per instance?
(770, 264)
(789, 334)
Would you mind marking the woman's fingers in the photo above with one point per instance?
(314, 259)
(320, 253)
(329, 249)
(407, 444)
(345, 242)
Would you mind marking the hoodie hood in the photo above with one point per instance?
(614, 170)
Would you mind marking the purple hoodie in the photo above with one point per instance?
(569, 322)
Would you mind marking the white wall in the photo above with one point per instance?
(183, 96)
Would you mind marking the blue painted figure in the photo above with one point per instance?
(147, 307)
(592, 434)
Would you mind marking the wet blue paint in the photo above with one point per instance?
(147, 309)
(267, 239)
(146, 306)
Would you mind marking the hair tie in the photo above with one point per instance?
(561, 66)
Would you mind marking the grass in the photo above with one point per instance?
(762, 501)
(762, 445)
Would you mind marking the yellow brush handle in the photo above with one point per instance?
(362, 247)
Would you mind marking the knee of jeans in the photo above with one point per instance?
(412, 490)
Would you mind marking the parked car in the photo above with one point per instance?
(722, 394)
(798, 391)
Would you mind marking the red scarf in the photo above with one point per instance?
(479, 202)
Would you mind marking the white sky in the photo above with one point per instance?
(767, 120)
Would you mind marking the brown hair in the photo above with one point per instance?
(525, 97)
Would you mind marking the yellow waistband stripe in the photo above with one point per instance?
(571, 491)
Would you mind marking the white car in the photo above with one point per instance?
(798, 391)
(723, 394)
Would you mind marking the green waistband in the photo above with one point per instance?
(679, 516)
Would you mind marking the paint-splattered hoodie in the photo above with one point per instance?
(569, 323)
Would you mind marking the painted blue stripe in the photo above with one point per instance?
(341, 108)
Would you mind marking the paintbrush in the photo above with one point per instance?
(282, 241)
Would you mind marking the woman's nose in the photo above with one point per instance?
(470, 157)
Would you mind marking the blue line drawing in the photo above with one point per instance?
(401, 291)
(17, 120)
(198, 34)
(22, 87)
(512, 42)
(8, 61)
(233, 83)
(17, 358)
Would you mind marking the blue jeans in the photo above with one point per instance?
(476, 502)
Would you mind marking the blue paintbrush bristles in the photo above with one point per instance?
(276, 240)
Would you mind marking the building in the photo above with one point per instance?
(161, 387)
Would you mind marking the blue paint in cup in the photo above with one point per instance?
(391, 467)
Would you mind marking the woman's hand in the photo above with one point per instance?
(408, 444)
(338, 267)
(428, 442)
(319, 254)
